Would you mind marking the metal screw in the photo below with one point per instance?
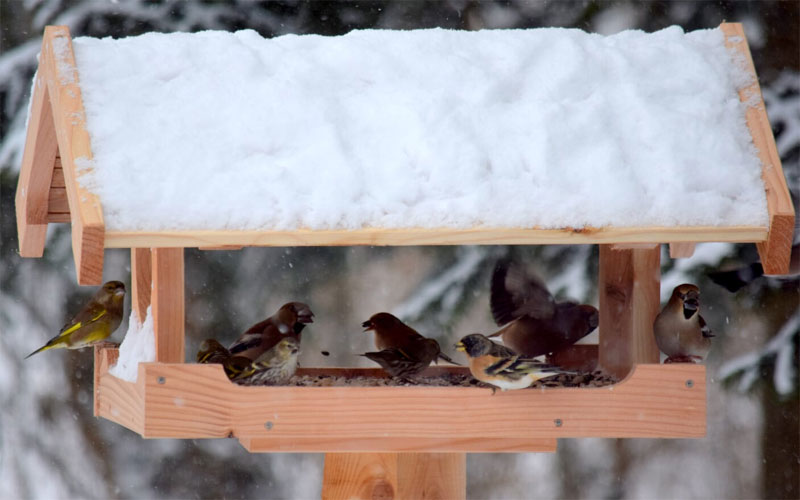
(690, 383)
(557, 422)
(268, 426)
(161, 380)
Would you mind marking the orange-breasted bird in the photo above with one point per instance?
(94, 323)
(681, 333)
(501, 367)
(535, 323)
(390, 333)
(289, 321)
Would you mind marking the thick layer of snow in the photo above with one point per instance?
(432, 128)
(139, 345)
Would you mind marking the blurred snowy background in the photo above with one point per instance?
(52, 447)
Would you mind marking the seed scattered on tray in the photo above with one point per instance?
(593, 379)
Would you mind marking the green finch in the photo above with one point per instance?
(212, 352)
(94, 323)
(274, 367)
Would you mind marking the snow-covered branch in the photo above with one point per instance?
(780, 350)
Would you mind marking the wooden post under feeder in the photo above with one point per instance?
(395, 442)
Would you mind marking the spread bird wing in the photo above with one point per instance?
(515, 293)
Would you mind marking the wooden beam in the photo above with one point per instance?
(167, 301)
(57, 61)
(775, 251)
(432, 475)
(360, 476)
(36, 172)
(629, 291)
(141, 281)
(180, 400)
(443, 236)
(682, 250)
(394, 475)
(325, 444)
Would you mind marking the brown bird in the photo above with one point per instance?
(535, 323)
(501, 367)
(212, 352)
(398, 364)
(681, 333)
(289, 321)
(390, 333)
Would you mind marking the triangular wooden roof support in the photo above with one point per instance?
(57, 128)
(652, 401)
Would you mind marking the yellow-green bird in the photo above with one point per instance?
(95, 322)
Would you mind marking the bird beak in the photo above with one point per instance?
(691, 304)
(367, 325)
(119, 291)
(294, 350)
(305, 316)
(460, 347)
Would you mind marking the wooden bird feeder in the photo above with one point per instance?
(407, 442)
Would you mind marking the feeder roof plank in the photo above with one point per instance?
(775, 251)
(57, 63)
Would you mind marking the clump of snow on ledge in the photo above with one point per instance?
(138, 346)
(433, 128)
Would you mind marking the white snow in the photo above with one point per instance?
(138, 346)
(429, 128)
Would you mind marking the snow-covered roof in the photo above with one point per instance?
(401, 138)
(547, 128)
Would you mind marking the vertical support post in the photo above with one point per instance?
(141, 281)
(629, 289)
(432, 475)
(681, 250)
(36, 173)
(168, 304)
(394, 476)
(359, 475)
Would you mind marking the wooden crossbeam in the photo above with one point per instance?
(625, 237)
(187, 400)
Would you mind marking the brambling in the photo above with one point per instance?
(501, 367)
